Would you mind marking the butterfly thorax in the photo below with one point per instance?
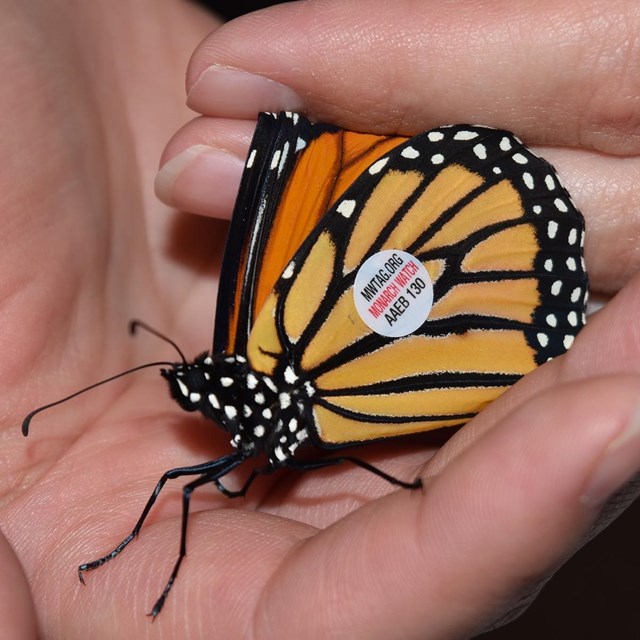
(262, 414)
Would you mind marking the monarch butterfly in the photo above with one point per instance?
(374, 286)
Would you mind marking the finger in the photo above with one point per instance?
(554, 72)
(351, 86)
(445, 562)
(203, 163)
(202, 166)
(17, 614)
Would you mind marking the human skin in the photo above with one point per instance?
(337, 553)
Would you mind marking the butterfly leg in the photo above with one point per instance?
(197, 469)
(309, 465)
(240, 493)
(211, 476)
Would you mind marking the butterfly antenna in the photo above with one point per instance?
(133, 327)
(27, 420)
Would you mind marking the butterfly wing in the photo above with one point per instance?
(294, 172)
(501, 241)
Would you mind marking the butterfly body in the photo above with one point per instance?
(261, 413)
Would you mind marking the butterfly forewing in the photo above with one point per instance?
(295, 171)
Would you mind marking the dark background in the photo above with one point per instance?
(595, 595)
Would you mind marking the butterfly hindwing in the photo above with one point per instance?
(501, 241)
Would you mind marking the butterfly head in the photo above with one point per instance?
(202, 385)
(213, 386)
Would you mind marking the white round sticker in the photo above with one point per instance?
(393, 293)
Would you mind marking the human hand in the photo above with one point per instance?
(585, 137)
(298, 556)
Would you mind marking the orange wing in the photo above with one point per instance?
(500, 240)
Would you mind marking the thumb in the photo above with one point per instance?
(488, 529)
(17, 615)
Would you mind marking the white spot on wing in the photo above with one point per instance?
(435, 136)
(251, 158)
(518, 158)
(465, 135)
(528, 180)
(346, 208)
(438, 158)
(213, 400)
(194, 396)
(561, 205)
(230, 412)
(556, 287)
(575, 294)
(481, 151)
(378, 166)
(410, 153)
(301, 143)
(552, 228)
(568, 341)
(283, 158)
(505, 144)
(275, 159)
(543, 339)
(288, 272)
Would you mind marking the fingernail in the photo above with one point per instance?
(231, 93)
(202, 180)
(619, 463)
